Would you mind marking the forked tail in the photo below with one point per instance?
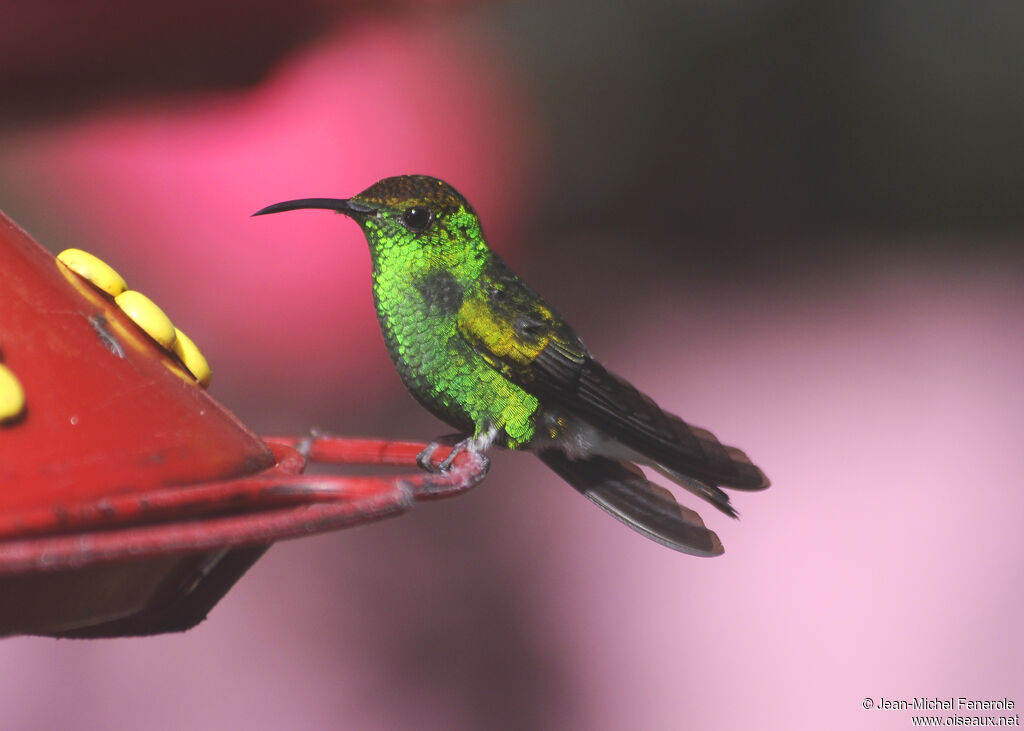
(621, 489)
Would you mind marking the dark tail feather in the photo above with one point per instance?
(714, 495)
(727, 466)
(618, 409)
(621, 489)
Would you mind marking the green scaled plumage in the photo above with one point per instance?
(420, 284)
(485, 353)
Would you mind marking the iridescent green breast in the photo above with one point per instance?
(418, 310)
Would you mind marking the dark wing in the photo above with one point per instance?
(518, 335)
(612, 404)
(512, 329)
(622, 490)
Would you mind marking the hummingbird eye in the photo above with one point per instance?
(416, 219)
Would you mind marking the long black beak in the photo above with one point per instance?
(342, 205)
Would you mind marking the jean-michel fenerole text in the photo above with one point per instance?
(949, 704)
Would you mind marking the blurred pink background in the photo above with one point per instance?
(803, 283)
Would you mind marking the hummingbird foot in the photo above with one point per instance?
(476, 444)
(423, 459)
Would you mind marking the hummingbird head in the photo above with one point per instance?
(408, 213)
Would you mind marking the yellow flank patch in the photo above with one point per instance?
(94, 270)
(144, 313)
(192, 357)
(12, 395)
(496, 338)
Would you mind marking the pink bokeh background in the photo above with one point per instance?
(882, 396)
(884, 561)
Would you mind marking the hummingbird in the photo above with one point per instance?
(486, 354)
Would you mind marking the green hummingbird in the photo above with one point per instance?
(486, 354)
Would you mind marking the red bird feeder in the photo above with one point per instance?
(130, 500)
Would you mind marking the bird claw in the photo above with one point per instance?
(458, 449)
(477, 445)
(423, 459)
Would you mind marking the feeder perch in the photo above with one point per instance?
(130, 500)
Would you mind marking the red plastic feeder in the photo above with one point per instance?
(130, 500)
